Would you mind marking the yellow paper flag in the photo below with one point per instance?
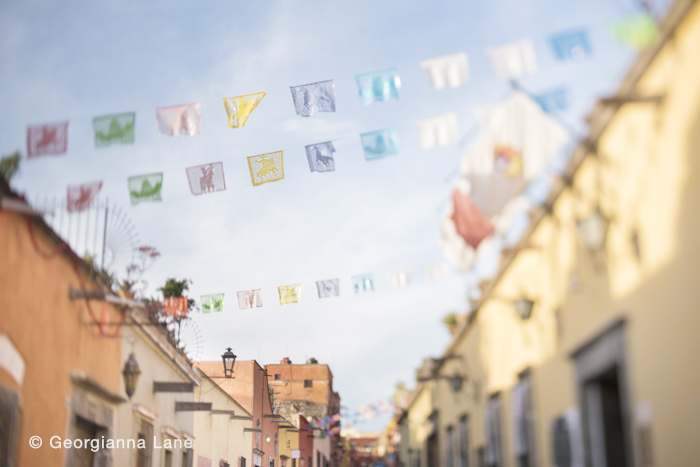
(289, 293)
(240, 107)
(266, 168)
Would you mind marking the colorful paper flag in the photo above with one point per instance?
(363, 283)
(447, 71)
(312, 98)
(399, 278)
(513, 59)
(185, 119)
(438, 131)
(289, 294)
(380, 143)
(212, 302)
(471, 223)
(266, 168)
(50, 139)
(378, 86)
(638, 31)
(239, 108)
(328, 288)
(118, 128)
(571, 44)
(436, 271)
(554, 100)
(145, 188)
(175, 307)
(80, 197)
(320, 157)
(206, 178)
(249, 299)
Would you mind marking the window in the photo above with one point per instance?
(308, 383)
(187, 458)
(84, 431)
(492, 455)
(168, 459)
(522, 421)
(278, 377)
(463, 442)
(223, 463)
(143, 458)
(272, 463)
(449, 453)
(241, 462)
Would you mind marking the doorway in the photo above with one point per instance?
(601, 369)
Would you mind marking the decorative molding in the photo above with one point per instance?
(170, 431)
(81, 380)
(145, 412)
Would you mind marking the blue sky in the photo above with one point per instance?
(77, 60)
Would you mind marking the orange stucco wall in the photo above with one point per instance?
(51, 333)
(290, 386)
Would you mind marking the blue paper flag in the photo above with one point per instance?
(378, 86)
(571, 44)
(362, 283)
(380, 143)
(554, 100)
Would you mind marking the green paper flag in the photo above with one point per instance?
(213, 302)
(145, 187)
(638, 31)
(118, 128)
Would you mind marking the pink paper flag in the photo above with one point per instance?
(183, 119)
(206, 178)
(80, 197)
(50, 139)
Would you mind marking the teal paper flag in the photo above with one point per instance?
(380, 143)
(111, 129)
(145, 188)
(378, 86)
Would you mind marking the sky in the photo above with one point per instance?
(76, 60)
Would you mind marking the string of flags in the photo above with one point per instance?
(509, 60)
(326, 288)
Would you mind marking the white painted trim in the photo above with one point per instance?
(172, 432)
(11, 360)
(145, 412)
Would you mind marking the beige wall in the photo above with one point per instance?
(217, 437)
(646, 179)
(159, 407)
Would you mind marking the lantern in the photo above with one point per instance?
(229, 359)
(131, 374)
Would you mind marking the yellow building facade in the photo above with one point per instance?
(583, 348)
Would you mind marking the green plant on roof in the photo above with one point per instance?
(450, 319)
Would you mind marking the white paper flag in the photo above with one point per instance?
(447, 71)
(438, 131)
(513, 59)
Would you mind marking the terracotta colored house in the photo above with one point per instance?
(307, 389)
(249, 388)
(59, 376)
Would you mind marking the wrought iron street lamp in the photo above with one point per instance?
(131, 374)
(229, 360)
(593, 230)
